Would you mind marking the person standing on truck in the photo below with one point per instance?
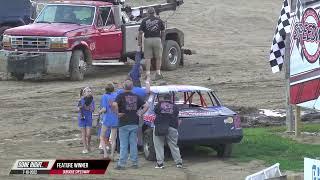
(153, 29)
(166, 125)
(127, 105)
(86, 107)
(110, 121)
(136, 70)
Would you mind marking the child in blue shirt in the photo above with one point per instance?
(110, 121)
(86, 107)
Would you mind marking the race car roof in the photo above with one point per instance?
(177, 88)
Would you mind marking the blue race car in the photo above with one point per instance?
(203, 120)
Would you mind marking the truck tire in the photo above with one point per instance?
(171, 56)
(148, 146)
(18, 76)
(224, 150)
(77, 65)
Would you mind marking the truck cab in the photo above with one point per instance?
(68, 36)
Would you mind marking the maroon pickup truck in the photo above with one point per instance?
(69, 36)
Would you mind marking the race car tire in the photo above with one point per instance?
(148, 146)
(18, 76)
(224, 150)
(171, 56)
(77, 65)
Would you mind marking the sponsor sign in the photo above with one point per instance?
(311, 169)
(304, 59)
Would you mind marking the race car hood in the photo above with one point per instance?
(210, 111)
(43, 29)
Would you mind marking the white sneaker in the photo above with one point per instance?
(85, 151)
(159, 166)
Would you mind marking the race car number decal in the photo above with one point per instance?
(149, 118)
(191, 114)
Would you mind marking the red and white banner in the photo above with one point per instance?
(304, 59)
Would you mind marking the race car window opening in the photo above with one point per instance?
(213, 102)
(218, 102)
(202, 100)
(188, 98)
(73, 14)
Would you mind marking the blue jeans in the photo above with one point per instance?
(128, 135)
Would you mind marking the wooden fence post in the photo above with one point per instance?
(298, 121)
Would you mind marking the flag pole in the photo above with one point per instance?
(289, 109)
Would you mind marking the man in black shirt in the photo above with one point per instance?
(128, 104)
(166, 125)
(153, 29)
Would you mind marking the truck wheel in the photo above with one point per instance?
(148, 146)
(18, 76)
(171, 55)
(224, 150)
(77, 65)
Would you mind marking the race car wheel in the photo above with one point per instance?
(171, 56)
(18, 76)
(148, 146)
(77, 65)
(224, 150)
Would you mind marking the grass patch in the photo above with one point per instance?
(264, 144)
(305, 128)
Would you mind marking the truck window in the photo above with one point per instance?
(67, 14)
(48, 14)
(84, 15)
(110, 19)
(103, 16)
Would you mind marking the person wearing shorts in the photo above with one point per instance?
(86, 107)
(107, 135)
(110, 121)
(153, 28)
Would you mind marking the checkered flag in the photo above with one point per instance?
(278, 45)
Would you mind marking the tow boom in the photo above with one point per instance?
(141, 11)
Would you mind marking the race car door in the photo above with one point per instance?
(109, 39)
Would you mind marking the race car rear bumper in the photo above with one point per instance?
(212, 141)
(35, 62)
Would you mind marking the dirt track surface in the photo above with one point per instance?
(232, 40)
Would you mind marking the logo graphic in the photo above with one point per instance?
(307, 32)
(66, 167)
(315, 173)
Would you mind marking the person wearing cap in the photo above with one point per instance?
(166, 125)
(153, 28)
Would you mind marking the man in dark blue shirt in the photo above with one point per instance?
(166, 129)
(127, 104)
